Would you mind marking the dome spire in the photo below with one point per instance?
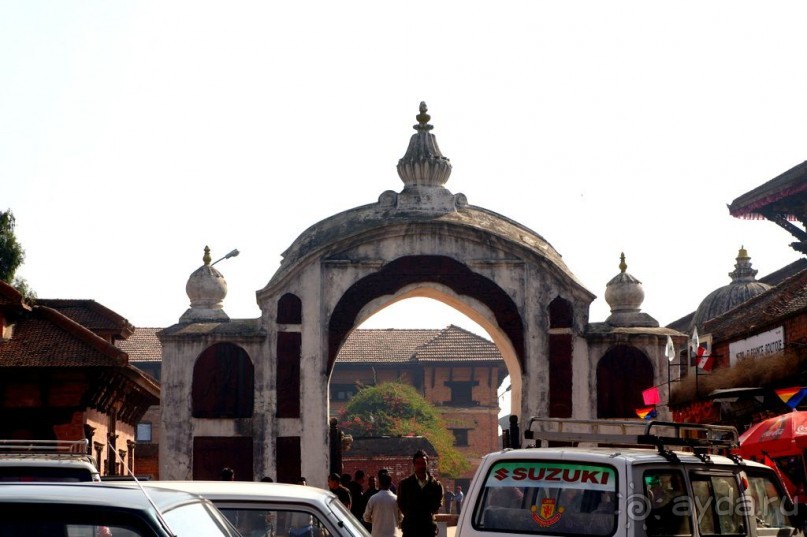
(743, 286)
(742, 270)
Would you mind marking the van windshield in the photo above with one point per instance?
(548, 497)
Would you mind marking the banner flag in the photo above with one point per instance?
(694, 343)
(646, 413)
(792, 396)
(705, 360)
(669, 352)
(651, 396)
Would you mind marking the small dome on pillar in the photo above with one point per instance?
(206, 289)
(624, 294)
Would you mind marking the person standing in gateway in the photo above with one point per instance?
(382, 512)
(419, 498)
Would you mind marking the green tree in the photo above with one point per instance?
(396, 409)
(12, 255)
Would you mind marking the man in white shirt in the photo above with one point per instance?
(458, 498)
(382, 510)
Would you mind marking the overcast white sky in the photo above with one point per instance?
(132, 134)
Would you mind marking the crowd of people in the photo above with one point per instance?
(382, 507)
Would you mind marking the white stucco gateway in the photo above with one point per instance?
(253, 393)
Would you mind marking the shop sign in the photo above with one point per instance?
(763, 344)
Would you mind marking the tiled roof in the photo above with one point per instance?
(390, 446)
(784, 300)
(9, 296)
(142, 345)
(90, 314)
(45, 338)
(395, 345)
(784, 194)
(456, 344)
(384, 345)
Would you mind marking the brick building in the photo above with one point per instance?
(62, 378)
(760, 344)
(457, 371)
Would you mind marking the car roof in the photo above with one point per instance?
(93, 494)
(608, 454)
(246, 490)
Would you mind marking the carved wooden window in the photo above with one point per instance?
(223, 383)
(461, 393)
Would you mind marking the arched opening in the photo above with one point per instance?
(438, 277)
(446, 353)
(223, 383)
(622, 374)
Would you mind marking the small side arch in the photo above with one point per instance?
(622, 374)
(223, 383)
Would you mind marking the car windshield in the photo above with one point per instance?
(253, 519)
(547, 497)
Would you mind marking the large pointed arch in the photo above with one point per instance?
(410, 270)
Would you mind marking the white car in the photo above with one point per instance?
(106, 510)
(260, 509)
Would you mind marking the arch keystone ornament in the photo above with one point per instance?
(423, 241)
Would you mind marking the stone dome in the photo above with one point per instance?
(206, 288)
(624, 294)
(742, 287)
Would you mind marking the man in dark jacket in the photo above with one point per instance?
(419, 498)
(335, 486)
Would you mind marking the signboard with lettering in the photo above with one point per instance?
(552, 474)
(763, 344)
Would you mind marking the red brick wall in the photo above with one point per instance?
(399, 467)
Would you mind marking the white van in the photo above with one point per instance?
(637, 487)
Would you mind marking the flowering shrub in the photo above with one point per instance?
(395, 409)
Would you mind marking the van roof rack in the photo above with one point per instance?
(698, 437)
(27, 447)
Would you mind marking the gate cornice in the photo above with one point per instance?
(366, 223)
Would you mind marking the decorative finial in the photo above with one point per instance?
(622, 266)
(423, 119)
(742, 269)
(423, 165)
(206, 258)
